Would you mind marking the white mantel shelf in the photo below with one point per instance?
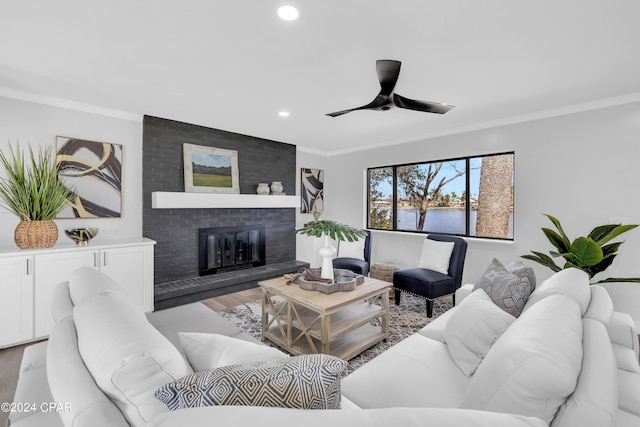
(174, 200)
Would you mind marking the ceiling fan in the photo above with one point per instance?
(388, 72)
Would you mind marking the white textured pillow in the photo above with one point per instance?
(211, 351)
(86, 282)
(473, 328)
(534, 366)
(436, 255)
(570, 282)
(127, 357)
(348, 249)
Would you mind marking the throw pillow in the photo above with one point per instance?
(210, 351)
(348, 249)
(507, 290)
(472, 329)
(519, 269)
(436, 255)
(127, 357)
(304, 382)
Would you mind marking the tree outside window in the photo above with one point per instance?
(470, 196)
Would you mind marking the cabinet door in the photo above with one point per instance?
(50, 270)
(132, 268)
(16, 300)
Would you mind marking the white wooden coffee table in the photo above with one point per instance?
(342, 324)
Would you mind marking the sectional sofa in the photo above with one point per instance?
(568, 360)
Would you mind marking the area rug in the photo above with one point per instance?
(404, 320)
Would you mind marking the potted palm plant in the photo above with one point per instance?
(33, 192)
(330, 230)
(592, 254)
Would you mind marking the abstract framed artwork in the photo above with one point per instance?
(210, 170)
(312, 194)
(94, 171)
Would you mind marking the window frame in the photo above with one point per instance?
(467, 176)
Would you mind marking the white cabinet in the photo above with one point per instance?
(51, 269)
(132, 268)
(25, 310)
(16, 299)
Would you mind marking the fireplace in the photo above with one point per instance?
(230, 248)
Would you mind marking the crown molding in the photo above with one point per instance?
(68, 104)
(555, 112)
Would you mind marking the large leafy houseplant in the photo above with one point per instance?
(330, 230)
(592, 254)
(31, 190)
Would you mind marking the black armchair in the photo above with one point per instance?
(432, 284)
(353, 262)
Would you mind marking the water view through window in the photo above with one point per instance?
(470, 196)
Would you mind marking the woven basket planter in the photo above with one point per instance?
(36, 234)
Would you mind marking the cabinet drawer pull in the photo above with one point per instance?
(28, 267)
(95, 259)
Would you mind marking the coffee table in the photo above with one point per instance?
(342, 324)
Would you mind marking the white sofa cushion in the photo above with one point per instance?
(436, 255)
(282, 417)
(128, 358)
(70, 381)
(302, 382)
(210, 351)
(354, 249)
(473, 328)
(570, 282)
(86, 281)
(595, 399)
(61, 305)
(534, 365)
(600, 306)
(629, 395)
(416, 372)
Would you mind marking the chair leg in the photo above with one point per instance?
(396, 296)
(454, 299)
(429, 308)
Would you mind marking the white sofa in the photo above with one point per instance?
(413, 384)
(568, 359)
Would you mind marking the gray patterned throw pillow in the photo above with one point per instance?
(303, 382)
(507, 290)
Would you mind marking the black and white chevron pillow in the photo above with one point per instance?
(303, 382)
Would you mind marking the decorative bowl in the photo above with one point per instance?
(81, 235)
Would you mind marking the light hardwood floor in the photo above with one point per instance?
(10, 358)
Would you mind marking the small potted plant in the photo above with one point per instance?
(33, 192)
(330, 230)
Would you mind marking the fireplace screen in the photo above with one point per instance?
(230, 248)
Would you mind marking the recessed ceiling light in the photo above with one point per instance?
(288, 13)
(283, 114)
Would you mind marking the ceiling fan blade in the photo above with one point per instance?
(426, 106)
(379, 102)
(388, 72)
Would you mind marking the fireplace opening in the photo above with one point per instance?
(230, 248)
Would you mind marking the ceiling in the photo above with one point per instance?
(234, 65)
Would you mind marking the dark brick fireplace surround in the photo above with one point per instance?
(176, 230)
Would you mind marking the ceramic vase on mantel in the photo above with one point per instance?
(263, 189)
(327, 252)
(276, 187)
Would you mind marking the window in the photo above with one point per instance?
(471, 196)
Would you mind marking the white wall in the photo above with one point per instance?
(582, 168)
(39, 124)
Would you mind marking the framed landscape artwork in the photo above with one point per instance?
(312, 194)
(210, 170)
(94, 171)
